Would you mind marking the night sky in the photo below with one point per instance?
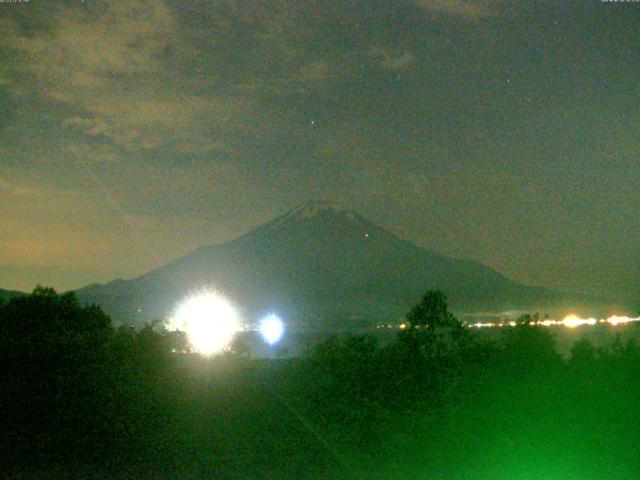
(505, 131)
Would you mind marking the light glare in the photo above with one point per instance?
(573, 321)
(570, 321)
(209, 320)
(617, 320)
(271, 328)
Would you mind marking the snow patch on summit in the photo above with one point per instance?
(313, 209)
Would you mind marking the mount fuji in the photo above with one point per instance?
(318, 265)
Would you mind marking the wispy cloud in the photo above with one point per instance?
(112, 73)
(13, 190)
(468, 9)
(87, 153)
(48, 227)
(391, 58)
(140, 76)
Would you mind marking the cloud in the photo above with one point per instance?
(84, 152)
(49, 227)
(111, 71)
(390, 58)
(151, 76)
(467, 9)
(26, 277)
(314, 71)
(79, 53)
(13, 190)
(45, 226)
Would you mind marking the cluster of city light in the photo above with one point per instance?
(211, 322)
(570, 321)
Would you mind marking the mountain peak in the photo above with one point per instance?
(315, 207)
(312, 209)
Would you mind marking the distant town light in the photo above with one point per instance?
(271, 328)
(570, 321)
(617, 320)
(573, 321)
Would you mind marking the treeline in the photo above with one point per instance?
(76, 390)
(82, 398)
(444, 402)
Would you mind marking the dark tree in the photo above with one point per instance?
(527, 319)
(74, 388)
(528, 345)
(432, 312)
(432, 328)
(178, 341)
(583, 353)
(54, 354)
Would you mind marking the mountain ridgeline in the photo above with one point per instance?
(6, 295)
(318, 265)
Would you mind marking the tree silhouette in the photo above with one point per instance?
(54, 354)
(529, 346)
(75, 387)
(432, 312)
(583, 353)
(432, 328)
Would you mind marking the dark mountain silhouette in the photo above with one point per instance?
(9, 294)
(317, 264)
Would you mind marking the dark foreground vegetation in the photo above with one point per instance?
(81, 399)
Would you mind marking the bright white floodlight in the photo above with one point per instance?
(271, 328)
(209, 320)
